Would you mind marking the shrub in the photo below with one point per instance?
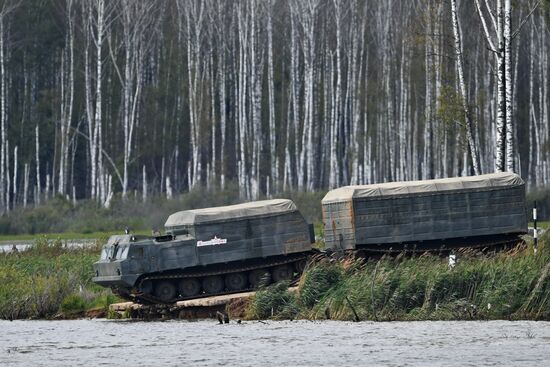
(73, 304)
(104, 300)
(273, 302)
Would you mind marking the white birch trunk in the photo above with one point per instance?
(26, 184)
(533, 131)
(295, 99)
(508, 84)
(501, 92)
(242, 87)
(274, 176)
(168, 188)
(3, 115)
(194, 15)
(144, 185)
(100, 20)
(109, 195)
(213, 119)
(334, 180)
(67, 99)
(8, 177)
(222, 94)
(255, 91)
(47, 187)
(15, 166)
(37, 150)
(427, 161)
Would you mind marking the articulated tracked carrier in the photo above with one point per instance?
(208, 251)
(426, 215)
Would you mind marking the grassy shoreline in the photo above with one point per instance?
(51, 280)
(511, 285)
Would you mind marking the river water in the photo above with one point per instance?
(22, 245)
(283, 343)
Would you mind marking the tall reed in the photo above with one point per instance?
(509, 285)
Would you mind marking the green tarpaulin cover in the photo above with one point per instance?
(230, 213)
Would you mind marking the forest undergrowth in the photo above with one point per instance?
(59, 215)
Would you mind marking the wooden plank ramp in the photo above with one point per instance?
(233, 305)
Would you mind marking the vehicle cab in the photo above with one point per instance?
(122, 260)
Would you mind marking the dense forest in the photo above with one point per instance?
(156, 97)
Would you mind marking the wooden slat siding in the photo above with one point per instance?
(420, 217)
(440, 216)
(269, 236)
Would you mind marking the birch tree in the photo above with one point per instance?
(334, 178)
(191, 20)
(273, 180)
(305, 12)
(462, 88)
(66, 97)
(38, 189)
(499, 42)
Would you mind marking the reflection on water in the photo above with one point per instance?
(253, 343)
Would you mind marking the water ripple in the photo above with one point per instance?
(296, 343)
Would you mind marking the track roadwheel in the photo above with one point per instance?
(259, 277)
(146, 287)
(282, 272)
(165, 290)
(189, 287)
(235, 281)
(212, 284)
(300, 265)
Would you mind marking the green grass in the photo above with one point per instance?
(510, 285)
(50, 279)
(543, 224)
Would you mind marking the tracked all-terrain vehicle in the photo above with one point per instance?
(208, 251)
(234, 248)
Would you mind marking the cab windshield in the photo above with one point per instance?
(115, 252)
(122, 253)
(105, 253)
